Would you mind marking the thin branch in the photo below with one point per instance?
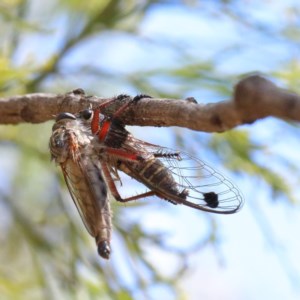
(254, 98)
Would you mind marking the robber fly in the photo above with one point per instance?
(70, 146)
(170, 175)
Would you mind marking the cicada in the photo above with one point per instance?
(70, 146)
(174, 176)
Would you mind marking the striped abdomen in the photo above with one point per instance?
(154, 174)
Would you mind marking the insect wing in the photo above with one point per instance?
(206, 188)
(203, 187)
(71, 148)
(88, 190)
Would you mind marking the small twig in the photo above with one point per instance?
(254, 98)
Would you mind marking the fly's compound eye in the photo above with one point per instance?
(86, 114)
(65, 115)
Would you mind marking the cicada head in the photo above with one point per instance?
(69, 135)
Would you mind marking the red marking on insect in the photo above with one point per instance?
(104, 130)
(103, 146)
(96, 121)
(171, 175)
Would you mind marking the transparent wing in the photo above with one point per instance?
(206, 188)
(88, 191)
(195, 183)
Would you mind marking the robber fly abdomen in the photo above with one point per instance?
(69, 145)
(156, 176)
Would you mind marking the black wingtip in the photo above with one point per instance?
(211, 199)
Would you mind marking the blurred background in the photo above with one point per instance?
(173, 49)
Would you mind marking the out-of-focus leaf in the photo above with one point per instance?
(290, 74)
(237, 151)
(10, 76)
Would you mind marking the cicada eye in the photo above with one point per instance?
(86, 114)
(64, 115)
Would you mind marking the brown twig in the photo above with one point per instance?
(254, 98)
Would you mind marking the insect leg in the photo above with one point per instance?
(121, 154)
(97, 111)
(126, 105)
(110, 182)
(96, 117)
(113, 189)
(73, 145)
(140, 96)
(139, 196)
(95, 124)
(120, 110)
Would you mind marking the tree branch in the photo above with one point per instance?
(254, 98)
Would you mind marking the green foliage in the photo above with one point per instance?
(238, 153)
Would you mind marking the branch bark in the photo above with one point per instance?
(254, 98)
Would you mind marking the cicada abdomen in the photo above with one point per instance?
(70, 148)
